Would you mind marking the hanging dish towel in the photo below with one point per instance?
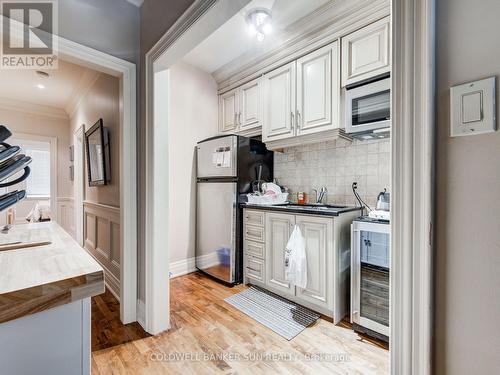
(295, 259)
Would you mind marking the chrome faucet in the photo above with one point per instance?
(320, 195)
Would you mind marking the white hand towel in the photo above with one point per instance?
(295, 259)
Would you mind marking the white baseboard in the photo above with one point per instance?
(185, 266)
(208, 260)
(182, 267)
(141, 314)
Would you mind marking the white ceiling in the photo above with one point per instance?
(232, 39)
(61, 86)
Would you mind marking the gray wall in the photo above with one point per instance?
(110, 26)
(157, 16)
(467, 269)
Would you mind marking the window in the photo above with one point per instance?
(38, 183)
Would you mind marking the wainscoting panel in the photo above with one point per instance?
(66, 214)
(101, 231)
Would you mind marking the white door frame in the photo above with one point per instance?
(412, 180)
(79, 181)
(126, 71)
(412, 142)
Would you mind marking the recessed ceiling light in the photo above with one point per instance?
(259, 23)
(40, 86)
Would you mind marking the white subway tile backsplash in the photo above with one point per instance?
(336, 164)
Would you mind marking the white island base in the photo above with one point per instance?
(54, 341)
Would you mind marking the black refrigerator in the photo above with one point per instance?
(226, 168)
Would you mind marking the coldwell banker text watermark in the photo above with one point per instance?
(28, 29)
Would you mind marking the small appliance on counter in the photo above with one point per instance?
(370, 270)
(227, 167)
(382, 210)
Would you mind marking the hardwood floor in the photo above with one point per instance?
(209, 336)
(107, 329)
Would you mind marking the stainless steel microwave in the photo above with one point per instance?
(368, 108)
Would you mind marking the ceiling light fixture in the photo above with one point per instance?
(259, 23)
(40, 86)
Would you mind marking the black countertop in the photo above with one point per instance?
(322, 210)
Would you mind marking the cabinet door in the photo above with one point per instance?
(250, 115)
(279, 103)
(228, 111)
(366, 52)
(318, 90)
(318, 234)
(278, 230)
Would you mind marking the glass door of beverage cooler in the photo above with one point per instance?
(370, 268)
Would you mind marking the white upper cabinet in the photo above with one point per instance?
(318, 90)
(318, 235)
(228, 111)
(250, 114)
(279, 103)
(240, 109)
(366, 52)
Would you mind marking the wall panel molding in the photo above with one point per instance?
(101, 233)
(66, 214)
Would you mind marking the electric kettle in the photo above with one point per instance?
(383, 201)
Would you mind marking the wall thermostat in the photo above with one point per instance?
(473, 108)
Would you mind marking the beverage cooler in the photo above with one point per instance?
(370, 270)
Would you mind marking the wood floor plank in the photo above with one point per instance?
(219, 339)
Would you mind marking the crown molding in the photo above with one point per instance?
(324, 25)
(137, 3)
(32, 108)
(81, 90)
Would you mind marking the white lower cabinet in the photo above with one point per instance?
(327, 241)
(318, 235)
(278, 230)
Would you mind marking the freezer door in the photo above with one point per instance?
(217, 157)
(215, 229)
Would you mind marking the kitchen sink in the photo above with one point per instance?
(313, 206)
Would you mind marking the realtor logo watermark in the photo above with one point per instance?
(28, 31)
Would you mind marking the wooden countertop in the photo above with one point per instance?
(33, 279)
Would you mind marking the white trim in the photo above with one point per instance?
(100, 206)
(137, 3)
(413, 95)
(76, 53)
(79, 182)
(94, 59)
(53, 165)
(141, 313)
(32, 108)
(182, 267)
(157, 304)
(105, 63)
